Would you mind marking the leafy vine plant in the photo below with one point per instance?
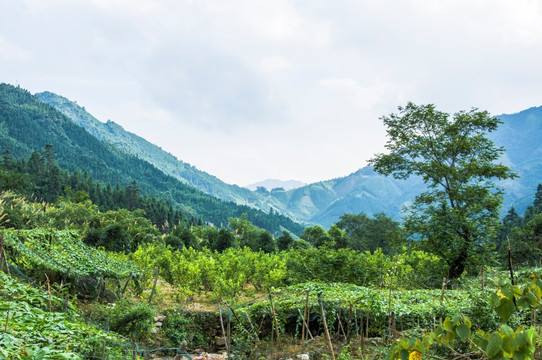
(460, 339)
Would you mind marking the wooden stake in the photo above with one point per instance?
(252, 328)
(229, 331)
(223, 330)
(126, 284)
(305, 323)
(349, 325)
(304, 317)
(276, 325)
(389, 303)
(326, 329)
(134, 351)
(340, 324)
(65, 307)
(99, 288)
(361, 328)
(3, 255)
(2, 251)
(510, 267)
(442, 290)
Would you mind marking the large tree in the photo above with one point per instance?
(457, 217)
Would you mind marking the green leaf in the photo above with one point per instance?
(404, 353)
(447, 325)
(494, 345)
(463, 331)
(519, 340)
(508, 345)
(507, 330)
(505, 309)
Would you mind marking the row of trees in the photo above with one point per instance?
(457, 218)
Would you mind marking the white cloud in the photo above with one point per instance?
(273, 63)
(11, 51)
(252, 89)
(364, 97)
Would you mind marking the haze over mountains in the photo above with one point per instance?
(323, 202)
(271, 184)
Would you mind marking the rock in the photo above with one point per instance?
(219, 341)
(159, 318)
(303, 356)
(158, 324)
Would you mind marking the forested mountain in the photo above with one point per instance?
(365, 191)
(28, 124)
(323, 202)
(138, 146)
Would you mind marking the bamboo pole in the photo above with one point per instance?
(326, 329)
(304, 317)
(389, 303)
(274, 315)
(510, 268)
(252, 327)
(223, 330)
(362, 340)
(126, 284)
(305, 323)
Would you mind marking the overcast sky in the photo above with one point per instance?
(249, 90)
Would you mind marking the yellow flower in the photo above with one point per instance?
(415, 355)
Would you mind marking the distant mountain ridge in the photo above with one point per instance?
(271, 184)
(323, 202)
(27, 124)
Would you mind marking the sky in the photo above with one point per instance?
(250, 90)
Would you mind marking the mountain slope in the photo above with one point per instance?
(365, 191)
(136, 145)
(323, 202)
(27, 124)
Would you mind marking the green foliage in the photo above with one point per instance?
(62, 253)
(36, 329)
(504, 342)
(131, 319)
(526, 242)
(368, 234)
(284, 241)
(457, 217)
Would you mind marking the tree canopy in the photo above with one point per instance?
(457, 217)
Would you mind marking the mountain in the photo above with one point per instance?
(114, 134)
(520, 134)
(27, 124)
(365, 191)
(323, 202)
(130, 143)
(271, 184)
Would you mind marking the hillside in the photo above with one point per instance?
(133, 144)
(365, 191)
(27, 124)
(323, 202)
